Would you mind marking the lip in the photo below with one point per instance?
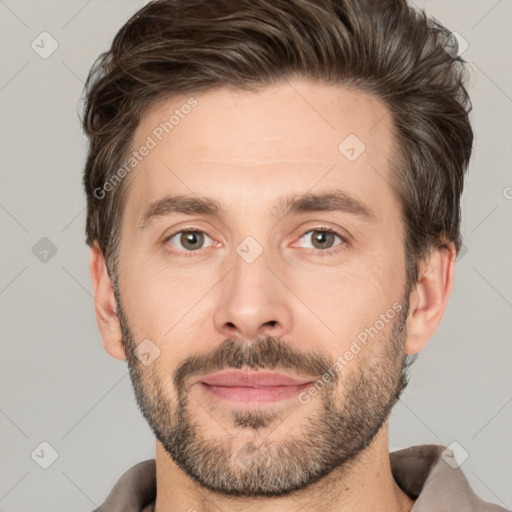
(251, 389)
(237, 378)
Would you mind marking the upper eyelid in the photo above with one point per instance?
(344, 239)
(186, 230)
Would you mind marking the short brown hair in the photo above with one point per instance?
(385, 48)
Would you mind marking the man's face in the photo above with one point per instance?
(253, 289)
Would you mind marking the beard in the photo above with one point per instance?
(343, 422)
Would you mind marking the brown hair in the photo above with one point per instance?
(385, 47)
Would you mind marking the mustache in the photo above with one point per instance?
(266, 353)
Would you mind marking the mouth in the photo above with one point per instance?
(252, 389)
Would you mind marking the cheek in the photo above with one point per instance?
(353, 300)
(168, 307)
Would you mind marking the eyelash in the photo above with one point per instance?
(318, 252)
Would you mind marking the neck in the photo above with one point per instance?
(363, 485)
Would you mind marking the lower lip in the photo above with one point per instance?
(254, 396)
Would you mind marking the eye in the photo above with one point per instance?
(322, 239)
(190, 240)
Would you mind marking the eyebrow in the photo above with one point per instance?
(332, 201)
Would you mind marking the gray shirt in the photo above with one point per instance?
(427, 473)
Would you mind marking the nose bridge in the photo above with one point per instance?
(250, 275)
(252, 299)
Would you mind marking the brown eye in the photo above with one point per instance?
(322, 239)
(192, 239)
(187, 241)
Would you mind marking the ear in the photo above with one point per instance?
(429, 298)
(105, 305)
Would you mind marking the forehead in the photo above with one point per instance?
(292, 137)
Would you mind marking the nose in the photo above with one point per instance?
(253, 301)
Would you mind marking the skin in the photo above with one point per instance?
(246, 150)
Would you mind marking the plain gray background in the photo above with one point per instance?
(59, 386)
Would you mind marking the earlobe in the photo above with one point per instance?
(105, 305)
(430, 297)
